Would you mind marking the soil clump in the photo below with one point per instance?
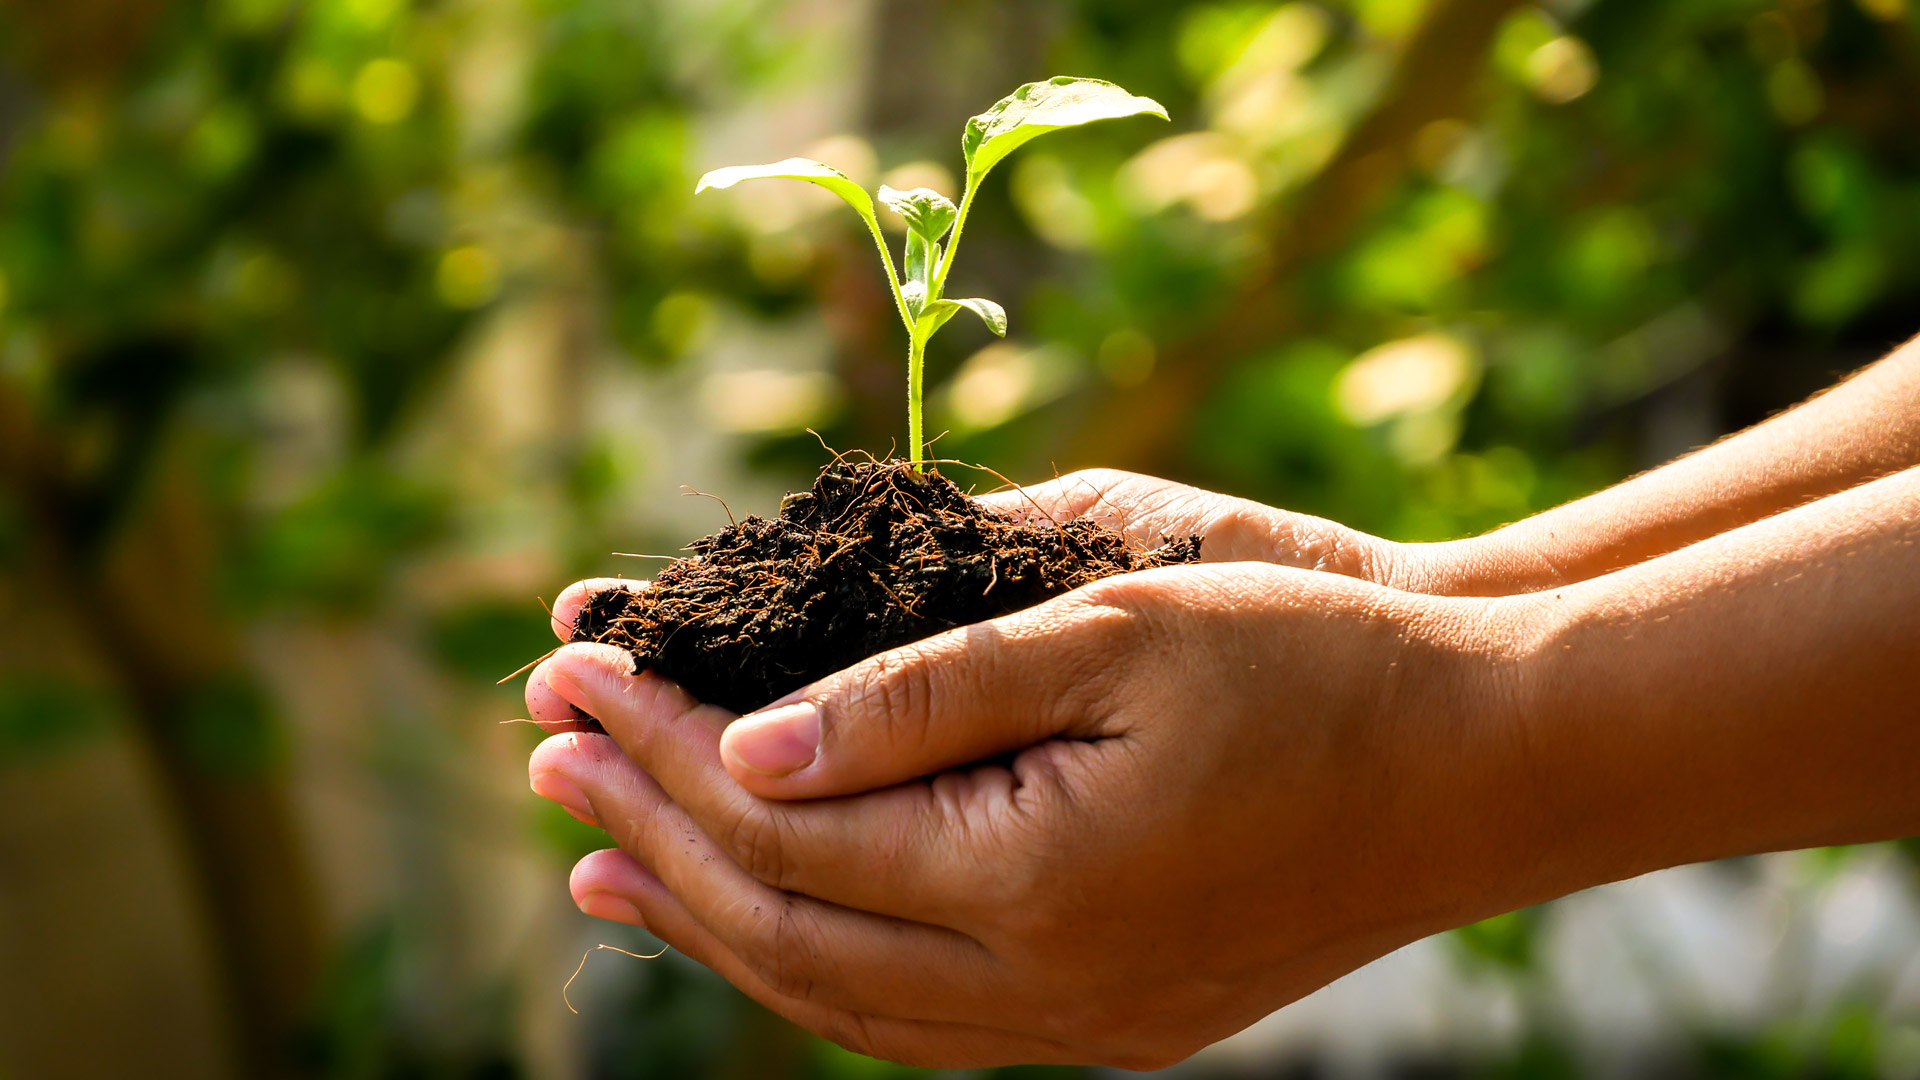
(875, 556)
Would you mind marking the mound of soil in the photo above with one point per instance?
(874, 557)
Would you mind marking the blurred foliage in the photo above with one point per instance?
(252, 254)
(1504, 941)
(41, 714)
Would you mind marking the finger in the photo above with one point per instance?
(613, 881)
(802, 947)
(951, 700)
(1073, 495)
(566, 606)
(548, 709)
(555, 786)
(896, 852)
(1145, 507)
(1147, 510)
(544, 707)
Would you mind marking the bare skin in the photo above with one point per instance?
(1227, 784)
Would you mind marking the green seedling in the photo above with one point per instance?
(919, 290)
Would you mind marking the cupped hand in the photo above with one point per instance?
(1109, 829)
(1232, 529)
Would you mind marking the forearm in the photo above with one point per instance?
(1866, 427)
(1753, 692)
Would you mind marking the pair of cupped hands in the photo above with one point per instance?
(1109, 829)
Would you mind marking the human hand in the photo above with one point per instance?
(1227, 785)
(1146, 509)
(1232, 529)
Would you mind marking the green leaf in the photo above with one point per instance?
(914, 295)
(928, 213)
(1037, 108)
(813, 172)
(990, 313)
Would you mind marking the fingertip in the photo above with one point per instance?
(587, 674)
(611, 885)
(566, 606)
(602, 905)
(545, 706)
(611, 872)
(564, 753)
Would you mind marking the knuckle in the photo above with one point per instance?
(783, 954)
(850, 1031)
(1329, 549)
(757, 839)
(1243, 529)
(1102, 624)
(896, 843)
(892, 699)
(1111, 602)
(640, 834)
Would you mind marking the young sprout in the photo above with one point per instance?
(919, 291)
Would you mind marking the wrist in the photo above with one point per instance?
(1467, 737)
(1490, 565)
(1607, 772)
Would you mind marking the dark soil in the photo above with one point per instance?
(874, 557)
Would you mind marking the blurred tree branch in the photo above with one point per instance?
(138, 587)
(1437, 70)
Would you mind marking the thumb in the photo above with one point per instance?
(953, 699)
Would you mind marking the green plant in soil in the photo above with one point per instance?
(919, 287)
(878, 553)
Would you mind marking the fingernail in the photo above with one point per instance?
(553, 786)
(776, 742)
(607, 906)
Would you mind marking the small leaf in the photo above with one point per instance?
(813, 172)
(927, 213)
(1037, 108)
(914, 293)
(990, 313)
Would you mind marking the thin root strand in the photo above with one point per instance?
(564, 991)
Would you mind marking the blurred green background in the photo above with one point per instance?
(335, 332)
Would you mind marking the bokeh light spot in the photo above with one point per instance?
(1002, 381)
(852, 155)
(990, 388)
(386, 91)
(1411, 375)
(681, 319)
(372, 14)
(770, 402)
(1053, 205)
(468, 277)
(1562, 70)
(1794, 92)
